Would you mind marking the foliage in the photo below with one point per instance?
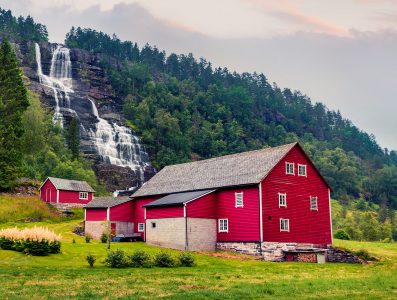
(186, 259)
(140, 259)
(21, 29)
(91, 259)
(364, 255)
(116, 259)
(342, 235)
(104, 238)
(164, 260)
(73, 138)
(13, 103)
(88, 237)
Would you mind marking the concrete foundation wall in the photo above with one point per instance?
(201, 234)
(169, 232)
(96, 228)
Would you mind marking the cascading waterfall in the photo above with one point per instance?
(113, 143)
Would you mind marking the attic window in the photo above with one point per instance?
(282, 200)
(289, 168)
(83, 195)
(239, 199)
(301, 170)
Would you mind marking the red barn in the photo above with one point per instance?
(65, 191)
(262, 202)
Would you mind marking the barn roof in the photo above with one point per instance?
(229, 170)
(70, 185)
(105, 202)
(178, 198)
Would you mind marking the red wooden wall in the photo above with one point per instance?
(73, 197)
(95, 214)
(164, 212)
(139, 211)
(243, 221)
(306, 226)
(204, 207)
(123, 212)
(48, 192)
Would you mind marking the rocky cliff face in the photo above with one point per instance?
(93, 102)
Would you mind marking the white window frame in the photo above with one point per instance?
(223, 225)
(287, 165)
(239, 202)
(313, 203)
(282, 196)
(141, 227)
(299, 170)
(83, 195)
(284, 225)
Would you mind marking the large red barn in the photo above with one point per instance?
(261, 202)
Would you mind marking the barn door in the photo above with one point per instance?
(48, 195)
(112, 229)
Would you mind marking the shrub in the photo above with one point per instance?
(6, 243)
(364, 255)
(73, 241)
(140, 259)
(164, 260)
(186, 259)
(342, 235)
(54, 247)
(37, 248)
(91, 259)
(88, 238)
(104, 237)
(116, 259)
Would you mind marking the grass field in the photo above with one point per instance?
(67, 275)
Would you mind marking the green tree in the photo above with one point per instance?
(73, 137)
(13, 102)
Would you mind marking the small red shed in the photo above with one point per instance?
(65, 191)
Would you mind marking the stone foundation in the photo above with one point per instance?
(270, 251)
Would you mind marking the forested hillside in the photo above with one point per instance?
(185, 109)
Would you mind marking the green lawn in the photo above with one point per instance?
(67, 275)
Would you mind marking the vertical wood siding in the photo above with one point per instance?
(139, 211)
(164, 212)
(305, 225)
(95, 214)
(204, 207)
(123, 212)
(243, 221)
(48, 192)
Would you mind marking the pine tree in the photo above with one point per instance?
(73, 138)
(13, 102)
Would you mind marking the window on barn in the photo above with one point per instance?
(284, 224)
(153, 225)
(239, 199)
(282, 200)
(289, 168)
(301, 170)
(313, 203)
(141, 227)
(83, 195)
(223, 225)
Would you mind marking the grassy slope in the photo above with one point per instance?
(66, 275)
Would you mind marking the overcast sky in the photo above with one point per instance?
(339, 52)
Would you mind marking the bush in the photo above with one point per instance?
(164, 260)
(91, 259)
(104, 237)
(88, 238)
(342, 235)
(55, 247)
(6, 243)
(116, 259)
(140, 259)
(186, 259)
(37, 248)
(364, 255)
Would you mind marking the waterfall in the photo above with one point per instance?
(59, 80)
(115, 144)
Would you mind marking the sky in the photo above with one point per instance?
(340, 52)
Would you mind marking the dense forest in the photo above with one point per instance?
(185, 109)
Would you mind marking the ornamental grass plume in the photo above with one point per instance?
(34, 234)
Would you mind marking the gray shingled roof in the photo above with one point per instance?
(105, 202)
(71, 185)
(178, 198)
(229, 170)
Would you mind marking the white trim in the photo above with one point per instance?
(285, 200)
(302, 165)
(199, 197)
(108, 214)
(330, 215)
(314, 198)
(184, 210)
(57, 196)
(227, 225)
(287, 223)
(45, 182)
(286, 168)
(260, 213)
(143, 228)
(83, 195)
(242, 199)
(85, 214)
(144, 213)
